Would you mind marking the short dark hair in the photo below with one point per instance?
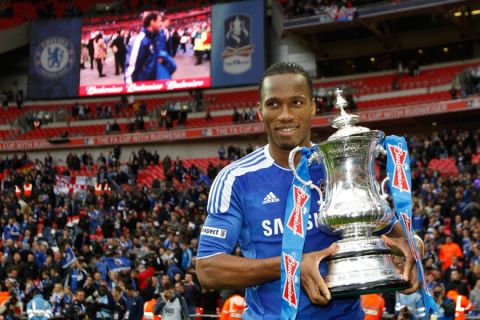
(286, 68)
(148, 18)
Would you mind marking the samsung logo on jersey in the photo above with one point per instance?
(275, 227)
(214, 232)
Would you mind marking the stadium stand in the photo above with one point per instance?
(432, 84)
(172, 209)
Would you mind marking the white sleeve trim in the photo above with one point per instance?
(210, 255)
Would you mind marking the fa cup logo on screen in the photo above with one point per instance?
(237, 55)
(54, 57)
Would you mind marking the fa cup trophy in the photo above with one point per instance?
(355, 206)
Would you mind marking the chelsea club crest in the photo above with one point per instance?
(54, 57)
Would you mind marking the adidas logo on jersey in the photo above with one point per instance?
(269, 198)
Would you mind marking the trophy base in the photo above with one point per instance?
(355, 290)
(361, 266)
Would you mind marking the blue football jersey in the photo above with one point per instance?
(246, 205)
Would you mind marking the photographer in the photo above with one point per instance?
(78, 310)
(101, 304)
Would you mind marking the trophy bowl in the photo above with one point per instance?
(355, 207)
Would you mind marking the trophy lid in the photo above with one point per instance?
(345, 122)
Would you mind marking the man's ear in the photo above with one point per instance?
(259, 111)
(313, 105)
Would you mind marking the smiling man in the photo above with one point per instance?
(247, 206)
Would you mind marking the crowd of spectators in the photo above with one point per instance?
(6, 9)
(445, 215)
(156, 227)
(43, 10)
(325, 99)
(248, 115)
(85, 111)
(157, 231)
(333, 10)
(467, 83)
(8, 97)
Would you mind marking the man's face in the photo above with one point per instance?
(89, 281)
(179, 287)
(286, 108)
(80, 296)
(156, 24)
(102, 290)
(455, 275)
(169, 294)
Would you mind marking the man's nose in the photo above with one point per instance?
(285, 114)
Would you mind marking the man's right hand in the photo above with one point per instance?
(310, 278)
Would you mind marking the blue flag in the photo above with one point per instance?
(68, 258)
(118, 264)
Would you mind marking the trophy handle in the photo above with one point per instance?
(310, 184)
(379, 149)
(383, 193)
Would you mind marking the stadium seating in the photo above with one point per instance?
(446, 167)
(375, 94)
(9, 134)
(405, 100)
(430, 77)
(85, 130)
(99, 129)
(9, 115)
(25, 11)
(149, 173)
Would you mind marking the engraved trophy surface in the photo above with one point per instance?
(355, 207)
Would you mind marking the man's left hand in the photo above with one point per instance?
(410, 272)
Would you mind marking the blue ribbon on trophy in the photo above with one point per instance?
(295, 231)
(398, 171)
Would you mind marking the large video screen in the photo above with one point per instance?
(149, 52)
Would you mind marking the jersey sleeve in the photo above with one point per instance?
(387, 229)
(223, 225)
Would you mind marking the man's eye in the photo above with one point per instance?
(298, 102)
(272, 104)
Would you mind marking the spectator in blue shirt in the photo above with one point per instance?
(186, 257)
(11, 230)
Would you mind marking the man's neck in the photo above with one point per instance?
(280, 156)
